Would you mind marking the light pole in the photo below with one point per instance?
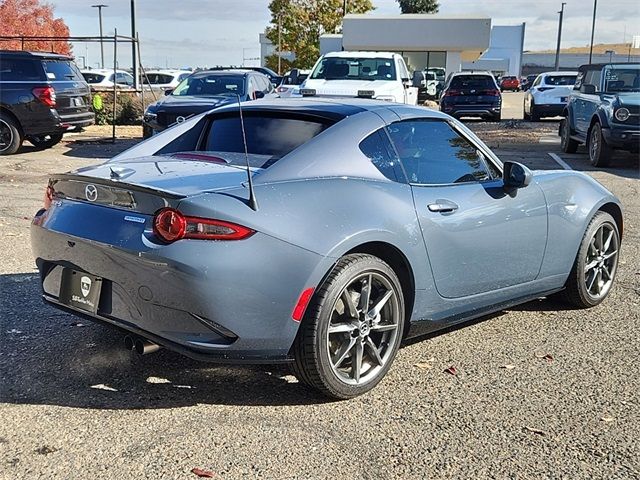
(100, 7)
(279, 43)
(593, 28)
(561, 12)
(134, 47)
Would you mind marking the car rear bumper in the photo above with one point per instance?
(214, 301)
(550, 109)
(484, 110)
(53, 122)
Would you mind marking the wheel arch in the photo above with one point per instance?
(616, 212)
(400, 264)
(4, 110)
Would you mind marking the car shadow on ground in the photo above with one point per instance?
(53, 358)
(99, 148)
(50, 357)
(623, 164)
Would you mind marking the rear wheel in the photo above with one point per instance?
(596, 263)
(600, 152)
(568, 144)
(10, 136)
(43, 142)
(352, 330)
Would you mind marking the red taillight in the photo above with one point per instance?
(452, 93)
(48, 197)
(171, 225)
(492, 93)
(46, 95)
(301, 306)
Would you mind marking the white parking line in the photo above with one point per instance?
(559, 161)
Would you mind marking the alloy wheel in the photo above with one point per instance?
(594, 143)
(601, 261)
(363, 328)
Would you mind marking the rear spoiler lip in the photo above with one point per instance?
(117, 184)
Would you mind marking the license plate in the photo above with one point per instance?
(77, 102)
(80, 290)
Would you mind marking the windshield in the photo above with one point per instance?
(339, 68)
(622, 79)
(560, 80)
(209, 85)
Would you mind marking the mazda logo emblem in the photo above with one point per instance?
(180, 119)
(91, 192)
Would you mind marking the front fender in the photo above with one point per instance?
(601, 116)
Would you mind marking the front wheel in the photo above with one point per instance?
(352, 330)
(43, 142)
(600, 152)
(596, 263)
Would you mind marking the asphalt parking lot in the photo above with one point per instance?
(541, 391)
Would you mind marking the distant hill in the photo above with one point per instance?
(619, 48)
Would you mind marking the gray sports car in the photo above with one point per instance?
(317, 232)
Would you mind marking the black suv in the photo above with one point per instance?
(42, 96)
(472, 94)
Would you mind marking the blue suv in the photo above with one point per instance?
(603, 111)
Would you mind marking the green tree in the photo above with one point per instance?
(301, 24)
(418, 6)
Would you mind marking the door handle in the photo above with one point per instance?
(442, 206)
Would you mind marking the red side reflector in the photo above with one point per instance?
(301, 306)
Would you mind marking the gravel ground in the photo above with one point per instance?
(540, 391)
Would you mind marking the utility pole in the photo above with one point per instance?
(561, 12)
(344, 8)
(100, 7)
(279, 43)
(134, 51)
(593, 28)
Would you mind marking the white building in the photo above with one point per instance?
(504, 55)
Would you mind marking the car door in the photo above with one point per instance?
(410, 92)
(479, 237)
(586, 103)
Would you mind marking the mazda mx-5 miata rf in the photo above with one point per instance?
(317, 232)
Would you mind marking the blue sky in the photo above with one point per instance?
(178, 33)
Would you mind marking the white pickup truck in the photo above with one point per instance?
(379, 75)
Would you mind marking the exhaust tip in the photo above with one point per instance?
(144, 347)
(129, 342)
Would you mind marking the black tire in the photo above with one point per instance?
(567, 144)
(10, 135)
(43, 142)
(147, 132)
(600, 152)
(534, 114)
(312, 349)
(577, 291)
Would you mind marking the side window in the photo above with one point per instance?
(537, 81)
(592, 77)
(433, 153)
(379, 150)
(579, 80)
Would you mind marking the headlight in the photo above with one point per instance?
(386, 98)
(622, 114)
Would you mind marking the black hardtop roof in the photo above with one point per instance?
(23, 53)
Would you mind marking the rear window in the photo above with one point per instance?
(269, 136)
(472, 81)
(93, 77)
(560, 80)
(20, 69)
(61, 70)
(159, 78)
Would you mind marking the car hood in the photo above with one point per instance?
(349, 87)
(184, 174)
(629, 99)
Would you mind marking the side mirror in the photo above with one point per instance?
(588, 89)
(516, 175)
(258, 94)
(168, 91)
